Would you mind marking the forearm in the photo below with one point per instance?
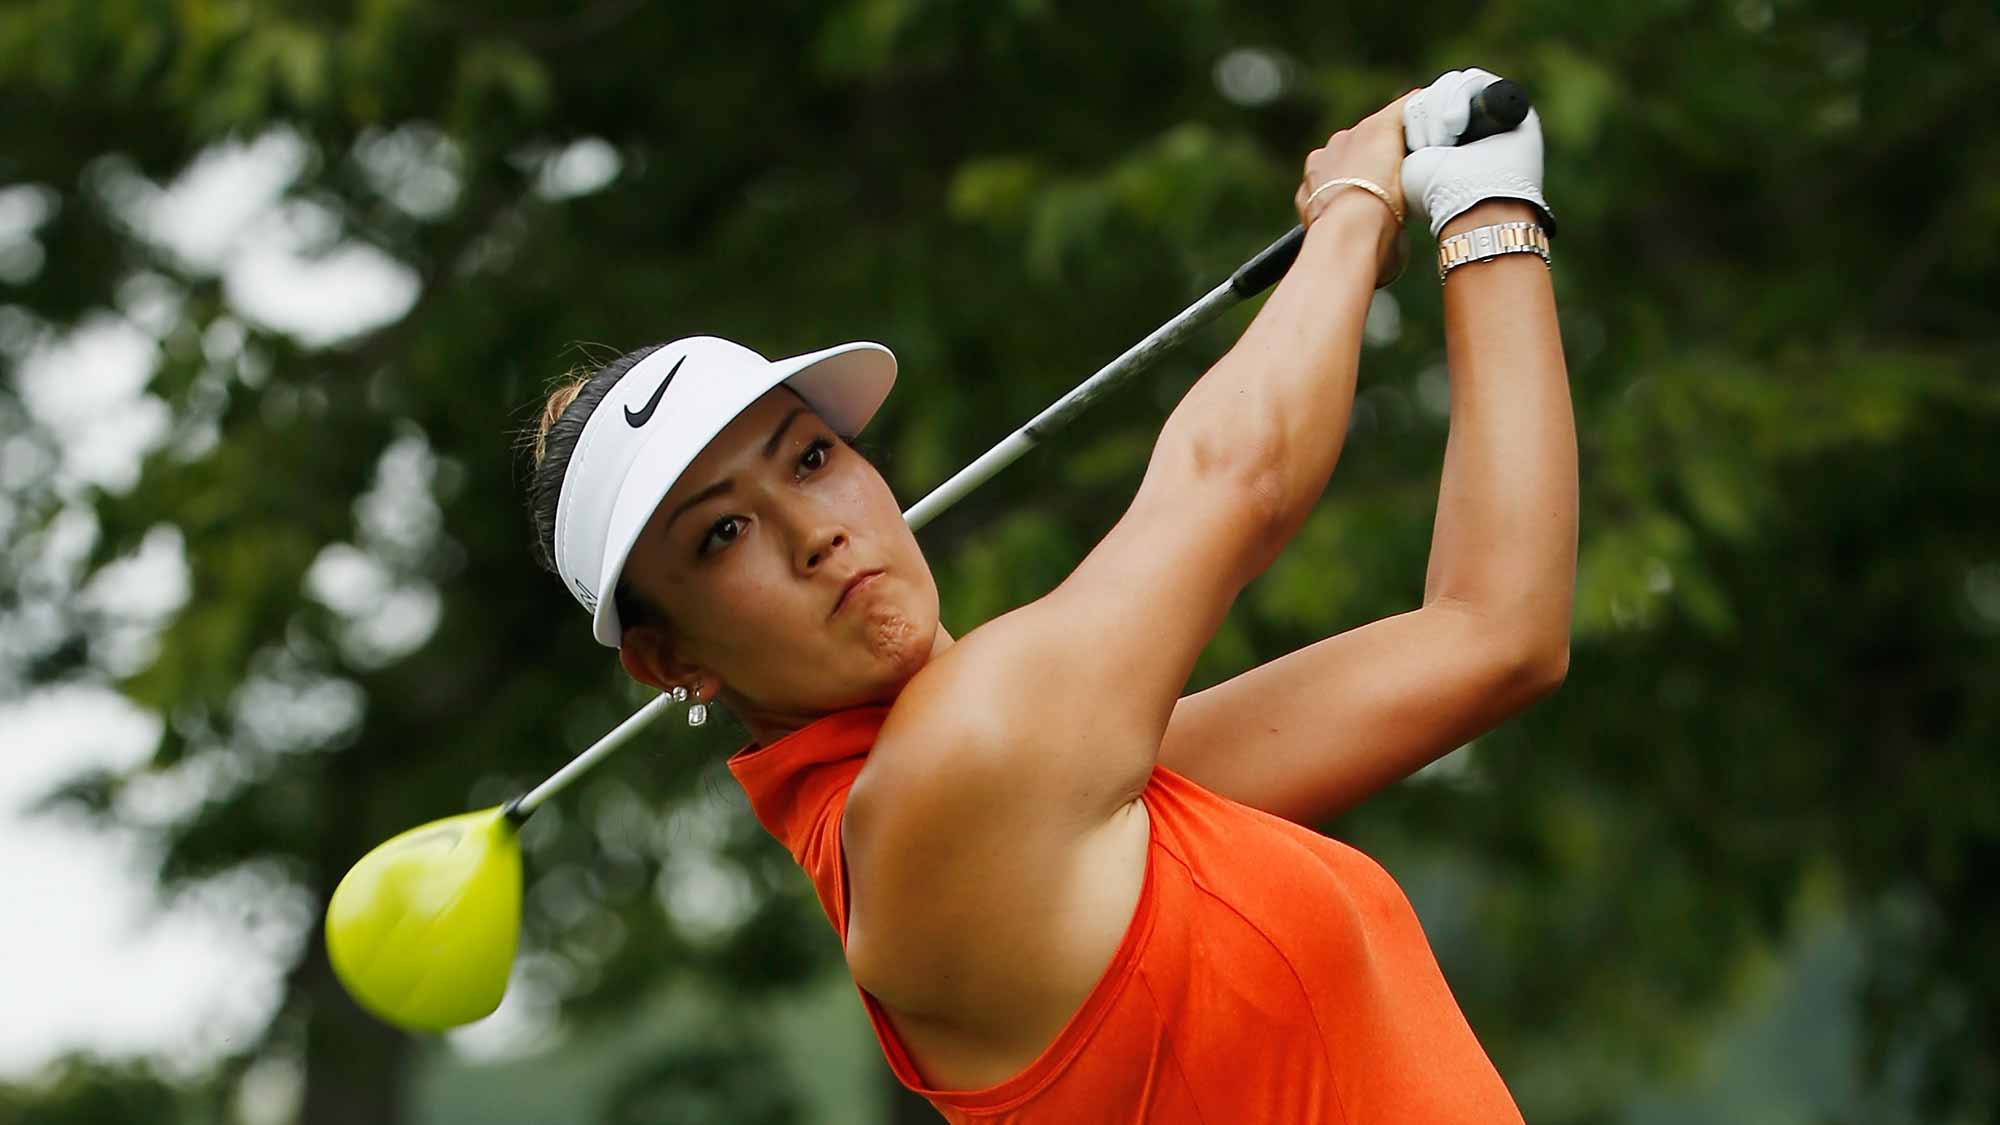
(1276, 405)
(1505, 538)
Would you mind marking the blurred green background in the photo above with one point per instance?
(279, 284)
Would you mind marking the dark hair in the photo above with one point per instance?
(554, 438)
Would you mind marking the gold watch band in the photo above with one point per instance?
(1481, 243)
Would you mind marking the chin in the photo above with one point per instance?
(901, 644)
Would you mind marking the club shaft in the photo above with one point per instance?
(1065, 409)
(619, 736)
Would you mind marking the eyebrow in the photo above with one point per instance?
(771, 447)
(728, 483)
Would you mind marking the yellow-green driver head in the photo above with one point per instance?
(422, 930)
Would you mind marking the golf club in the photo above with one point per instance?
(422, 930)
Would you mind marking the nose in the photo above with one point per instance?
(819, 546)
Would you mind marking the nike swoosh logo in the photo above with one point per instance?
(636, 420)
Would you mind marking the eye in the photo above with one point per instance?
(822, 447)
(715, 533)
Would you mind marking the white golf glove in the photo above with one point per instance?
(1441, 178)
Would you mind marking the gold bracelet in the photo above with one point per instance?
(1369, 186)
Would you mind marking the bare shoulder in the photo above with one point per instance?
(975, 901)
(997, 716)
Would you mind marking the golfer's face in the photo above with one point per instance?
(751, 574)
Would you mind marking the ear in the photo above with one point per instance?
(647, 652)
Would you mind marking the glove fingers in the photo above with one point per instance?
(1419, 169)
(1424, 122)
(1441, 181)
(1528, 134)
(1438, 113)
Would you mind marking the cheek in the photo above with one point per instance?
(854, 490)
(874, 504)
(879, 520)
(753, 592)
(717, 607)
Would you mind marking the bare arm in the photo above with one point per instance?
(1314, 732)
(996, 821)
(1505, 541)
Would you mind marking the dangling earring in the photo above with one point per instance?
(697, 714)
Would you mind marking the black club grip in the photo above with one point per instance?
(1270, 264)
(1498, 108)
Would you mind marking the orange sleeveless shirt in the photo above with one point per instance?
(1269, 974)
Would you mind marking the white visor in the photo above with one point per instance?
(658, 417)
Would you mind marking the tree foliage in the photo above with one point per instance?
(1778, 233)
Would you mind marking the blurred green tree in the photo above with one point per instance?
(1775, 274)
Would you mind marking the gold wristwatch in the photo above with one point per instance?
(1481, 243)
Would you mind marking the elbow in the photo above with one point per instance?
(1523, 660)
(1264, 488)
(1525, 653)
(1550, 669)
(1245, 454)
(1534, 669)
(1249, 481)
(1274, 516)
(1264, 477)
(1256, 472)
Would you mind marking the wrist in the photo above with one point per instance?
(1352, 211)
(1485, 243)
(1486, 212)
(1360, 231)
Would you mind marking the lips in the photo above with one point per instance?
(851, 584)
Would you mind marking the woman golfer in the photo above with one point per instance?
(1067, 893)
